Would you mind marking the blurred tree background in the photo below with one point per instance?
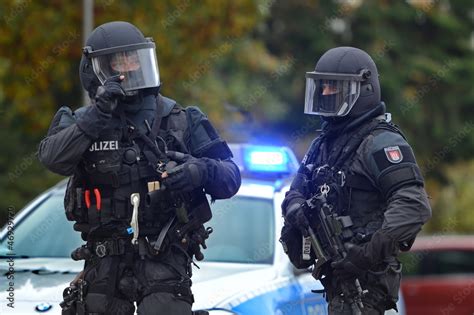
(244, 62)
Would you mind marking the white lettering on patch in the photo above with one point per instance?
(104, 146)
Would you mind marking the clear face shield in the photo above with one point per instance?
(137, 63)
(332, 94)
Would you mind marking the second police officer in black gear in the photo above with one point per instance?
(372, 177)
(139, 165)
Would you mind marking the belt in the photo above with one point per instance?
(122, 246)
(112, 247)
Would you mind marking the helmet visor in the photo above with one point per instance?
(139, 67)
(331, 94)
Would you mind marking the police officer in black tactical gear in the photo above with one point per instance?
(365, 171)
(140, 167)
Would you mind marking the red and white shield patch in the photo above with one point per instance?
(394, 154)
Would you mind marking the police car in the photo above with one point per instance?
(245, 270)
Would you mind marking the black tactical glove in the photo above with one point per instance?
(354, 265)
(107, 96)
(191, 173)
(359, 259)
(295, 215)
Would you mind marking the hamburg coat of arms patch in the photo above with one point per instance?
(394, 154)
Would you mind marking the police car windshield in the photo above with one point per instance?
(45, 232)
(243, 231)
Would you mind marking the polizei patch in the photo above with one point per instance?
(104, 146)
(393, 154)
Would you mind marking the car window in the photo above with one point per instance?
(45, 232)
(243, 231)
(440, 262)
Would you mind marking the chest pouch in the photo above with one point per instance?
(105, 154)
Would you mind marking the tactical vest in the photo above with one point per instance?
(125, 160)
(329, 162)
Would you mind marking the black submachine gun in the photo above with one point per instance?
(332, 231)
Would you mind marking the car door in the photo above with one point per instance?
(439, 282)
(296, 297)
(312, 303)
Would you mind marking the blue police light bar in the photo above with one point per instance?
(269, 160)
(266, 162)
(265, 159)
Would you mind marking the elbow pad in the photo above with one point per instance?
(204, 140)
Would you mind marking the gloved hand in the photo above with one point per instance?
(296, 216)
(354, 265)
(191, 173)
(107, 96)
(360, 259)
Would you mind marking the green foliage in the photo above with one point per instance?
(454, 201)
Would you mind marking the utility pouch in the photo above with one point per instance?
(74, 200)
(385, 285)
(102, 284)
(81, 308)
(292, 241)
(128, 285)
(97, 302)
(392, 282)
(200, 207)
(105, 155)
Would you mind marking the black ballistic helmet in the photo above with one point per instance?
(344, 83)
(119, 48)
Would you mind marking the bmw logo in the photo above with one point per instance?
(43, 307)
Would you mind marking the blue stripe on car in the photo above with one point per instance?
(286, 300)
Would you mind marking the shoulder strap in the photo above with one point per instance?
(310, 157)
(389, 126)
(163, 109)
(348, 146)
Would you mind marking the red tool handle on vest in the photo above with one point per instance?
(87, 198)
(98, 198)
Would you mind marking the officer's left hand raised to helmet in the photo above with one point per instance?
(191, 172)
(107, 96)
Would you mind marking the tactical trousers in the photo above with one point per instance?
(382, 291)
(337, 306)
(158, 285)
